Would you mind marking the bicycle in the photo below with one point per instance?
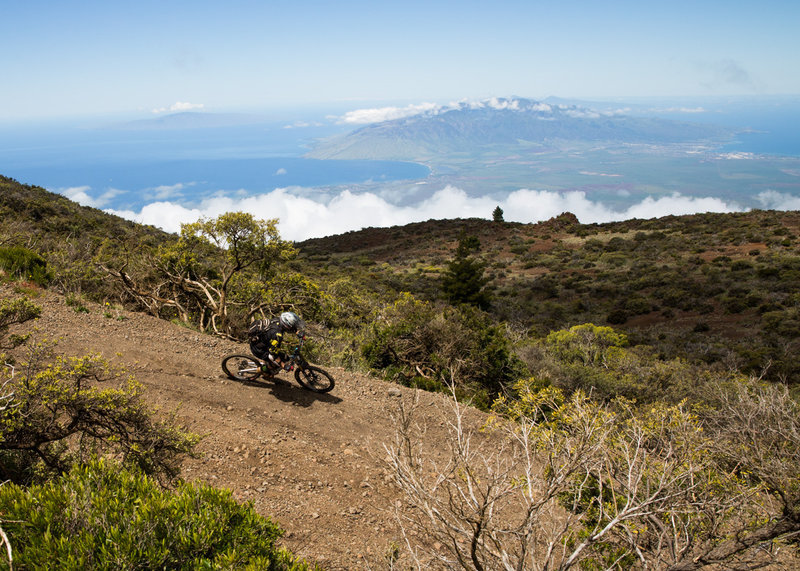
(242, 367)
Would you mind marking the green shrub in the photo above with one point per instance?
(64, 412)
(24, 264)
(418, 344)
(100, 516)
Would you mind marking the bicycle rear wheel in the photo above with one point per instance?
(241, 367)
(314, 379)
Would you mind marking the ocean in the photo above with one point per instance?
(134, 167)
(768, 125)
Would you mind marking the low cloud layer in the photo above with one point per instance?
(301, 217)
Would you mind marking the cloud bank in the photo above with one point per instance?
(301, 218)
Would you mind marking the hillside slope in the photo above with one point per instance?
(312, 462)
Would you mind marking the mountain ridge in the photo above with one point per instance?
(512, 123)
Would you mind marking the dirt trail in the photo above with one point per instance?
(314, 463)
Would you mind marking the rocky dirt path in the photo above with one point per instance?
(313, 463)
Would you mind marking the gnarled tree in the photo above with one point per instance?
(196, 274)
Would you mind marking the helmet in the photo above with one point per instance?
(290, 321)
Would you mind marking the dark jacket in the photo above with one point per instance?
(265, 336)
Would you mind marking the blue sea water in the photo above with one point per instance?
(132, 168)
(768, 125)
(779, 136)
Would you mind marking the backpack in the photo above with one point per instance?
(263, 328)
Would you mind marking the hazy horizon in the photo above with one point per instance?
(100, 58)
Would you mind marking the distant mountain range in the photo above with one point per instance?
(476, 127)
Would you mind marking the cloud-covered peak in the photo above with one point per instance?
(381, 114)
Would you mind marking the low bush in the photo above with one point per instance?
(61, 414)
(24, 264)
(100, 516)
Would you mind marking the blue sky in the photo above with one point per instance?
(78, 58)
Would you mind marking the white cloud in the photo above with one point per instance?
(377, 115)
(301, 217)
(774, 200)
(303, 124)
(582, 113)
(677, 204)
(501, 104)
(166, 191)
(179, 106)
(80, 194)
(281, 171)
(534, 206)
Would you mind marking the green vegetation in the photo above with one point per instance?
(715, 290)
(417, 344)
(56, 402)
(497, 214)
(97, 516)
(21, 263)
(204, 275)
(463, 281)
(718, 290)
(653, 363)
(68, 237)
(90, 474)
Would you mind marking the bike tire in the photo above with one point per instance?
(241, 367)
(314, 379)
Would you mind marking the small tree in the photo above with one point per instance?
(464, 280)
(497, 214)
(195, 275)
(62, 413)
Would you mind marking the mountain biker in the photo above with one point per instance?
(266, 336)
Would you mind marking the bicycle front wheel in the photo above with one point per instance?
(314, 379)
(241, 367)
